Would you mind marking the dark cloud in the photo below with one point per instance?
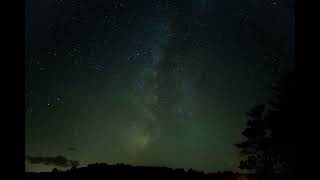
(57, 161)
(72, 149)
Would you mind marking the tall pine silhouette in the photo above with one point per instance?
(271, 133)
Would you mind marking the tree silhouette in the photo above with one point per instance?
(270, 133)
(257, 147)
(120, 171)
(55, 171)
(281, 120)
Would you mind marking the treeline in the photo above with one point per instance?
(105, 171)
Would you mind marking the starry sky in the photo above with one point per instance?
(149, 82)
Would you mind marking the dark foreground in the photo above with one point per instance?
(120, 171)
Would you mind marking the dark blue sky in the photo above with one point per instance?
(150, 82)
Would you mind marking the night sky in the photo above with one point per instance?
(149, 82)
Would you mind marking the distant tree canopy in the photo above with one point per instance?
(120, 171)
(270, 132)
(55, 170)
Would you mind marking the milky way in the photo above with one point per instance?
(161, 83)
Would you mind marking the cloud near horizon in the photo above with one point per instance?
(72, 149)
(57, 161)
